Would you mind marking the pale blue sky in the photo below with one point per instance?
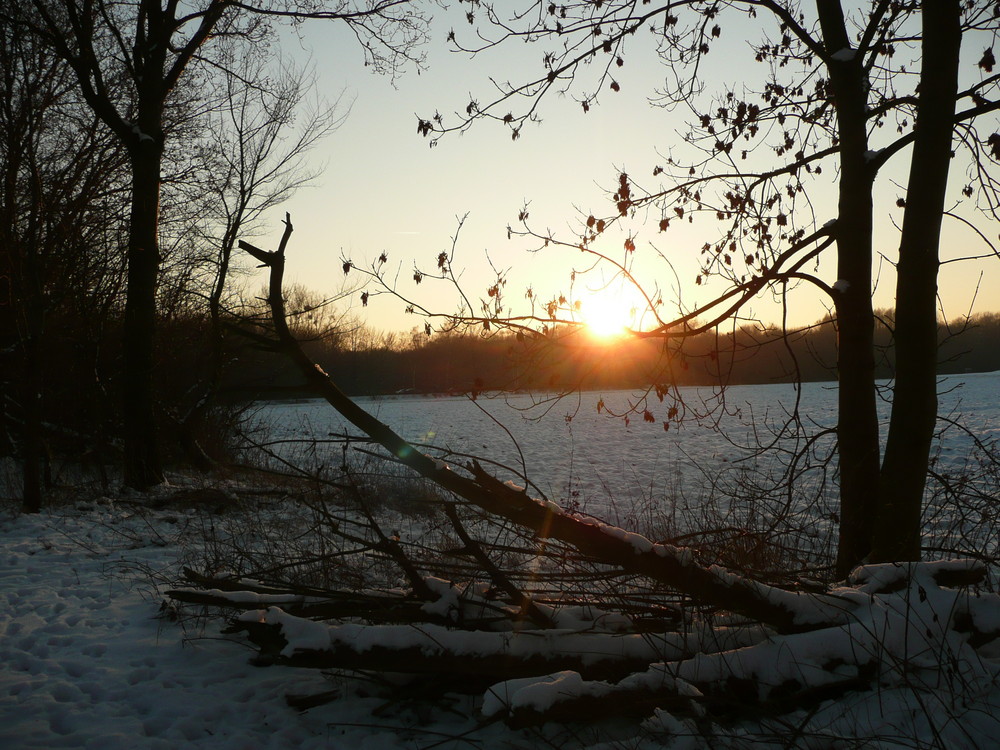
(384, 189)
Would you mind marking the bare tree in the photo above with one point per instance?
(151, 45)
(253, 159)
(833, 79)
(61, 198)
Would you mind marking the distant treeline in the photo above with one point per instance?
(80, 355)
(367, 364)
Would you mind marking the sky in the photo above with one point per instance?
(384, 190)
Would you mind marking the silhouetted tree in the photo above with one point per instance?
(62, 195)
(150, 46)
(834, 78)
(253, 159)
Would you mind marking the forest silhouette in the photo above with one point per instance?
(366, 363)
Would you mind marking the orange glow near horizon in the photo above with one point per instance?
(608, 315)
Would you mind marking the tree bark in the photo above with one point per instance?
(914, 402)
(31, 397)
(857, 426)
(142, 468)
(22, 310)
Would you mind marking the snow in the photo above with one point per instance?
(301, 634)
(539, 693)
(682, 733)
(85, 661)
(448, 601)
(91, 658)
(590, 461)
(845, 54)
(841, 285)
(514, 486)
(637, 541)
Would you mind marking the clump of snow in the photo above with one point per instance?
(301, 633)
(844, 54)
(984, 614)
(885, 576)
(143, 137)
(552, 507)
(539, 693)
(587, 617)
(637, 541)
(683, 555)
(841, 285)
(447, 603)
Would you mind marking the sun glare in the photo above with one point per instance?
(607, 316)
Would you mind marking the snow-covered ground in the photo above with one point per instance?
(87, 659)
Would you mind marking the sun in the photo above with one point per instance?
(607, 316)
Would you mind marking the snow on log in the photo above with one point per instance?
(427, 648)
(909, 636)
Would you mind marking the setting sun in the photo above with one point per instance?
(607, 315)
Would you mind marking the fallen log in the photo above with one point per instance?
(918, 627)
(566, 697)
(433, 649)
(375, 607)
(788, 611)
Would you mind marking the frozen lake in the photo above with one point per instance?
(575, 453)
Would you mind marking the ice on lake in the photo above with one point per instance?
(575, 453)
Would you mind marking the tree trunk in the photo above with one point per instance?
(31, 385)
(22, 310)
(142, 468)
(914, 402)
(857, 427)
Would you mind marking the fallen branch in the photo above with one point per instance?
(441, 607)
(677, 567)
(434, 649)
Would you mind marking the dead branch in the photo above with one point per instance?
(371, 606)
(676, 567)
